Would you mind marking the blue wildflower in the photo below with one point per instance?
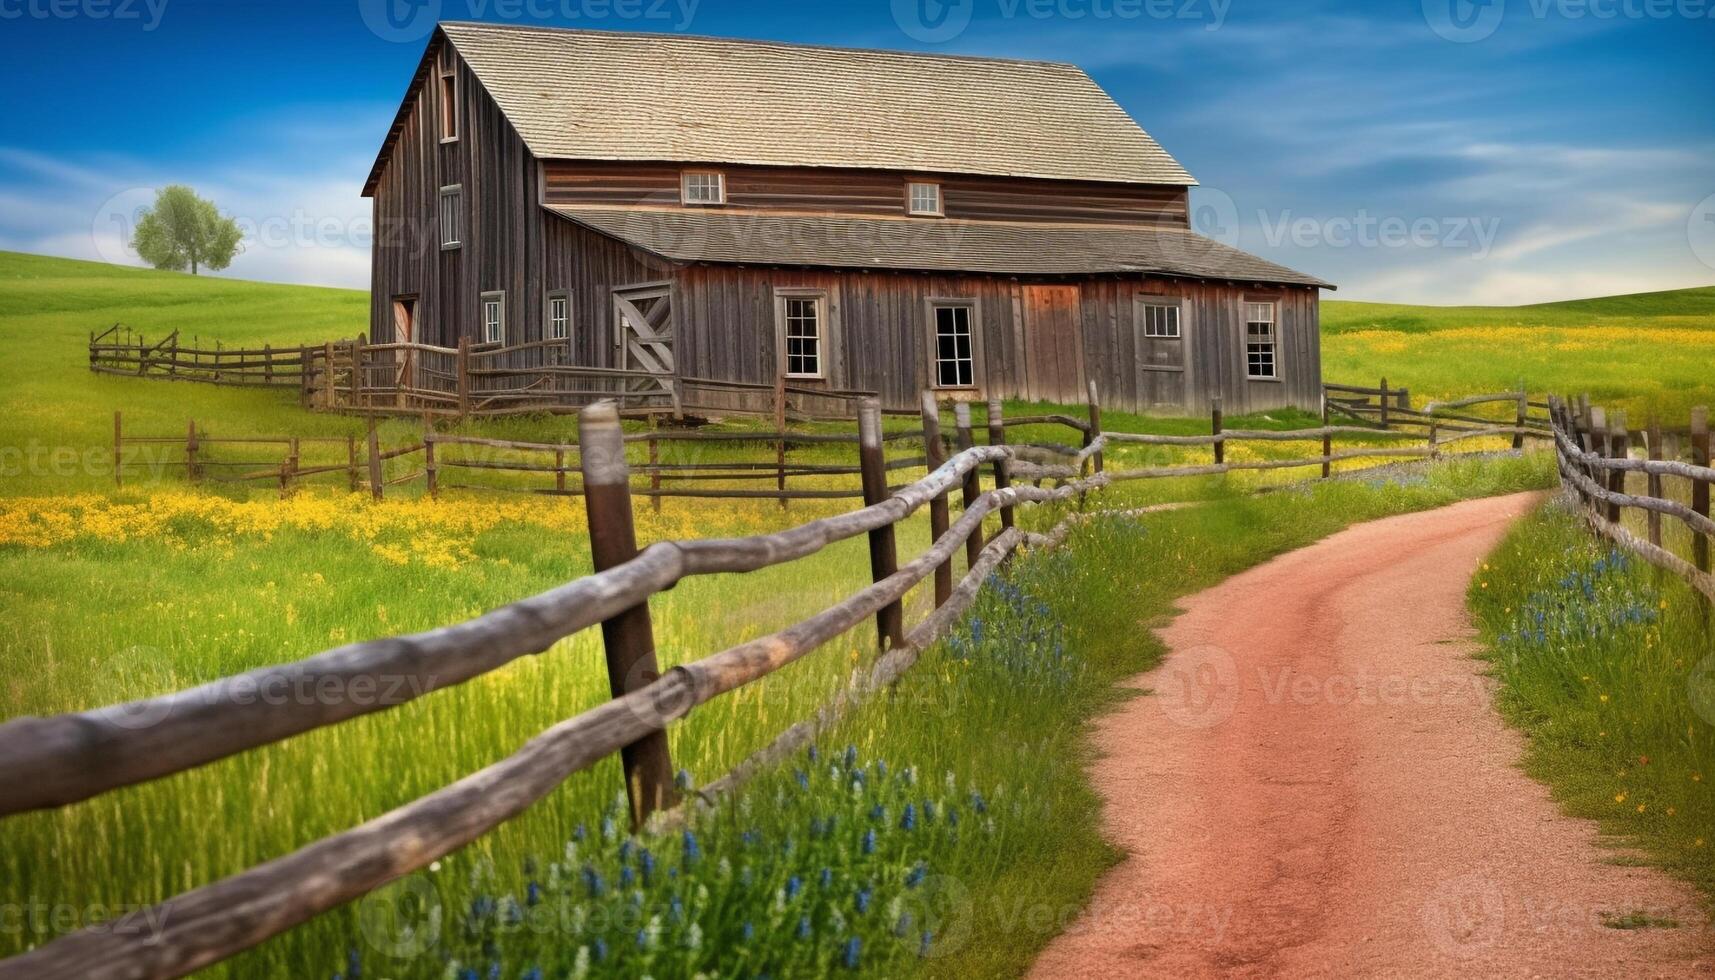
(878, 813)
(869, 841)
(693, 850)
(533, 894)
(923, 945)
(592, 881)
(579, 832)
(908, 819)
(916, 875)
(851, 756)
(534, 973)
(928, 811)
(803, 928)
(814, 753)
(850, 955)
(626, 877)
(749, 932)
(598, 950)
(646, 861)
(903, 926)
(794, 885)
(801, 778)
(684, 780)
(827, 877)
(862, 900)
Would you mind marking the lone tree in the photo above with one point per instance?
(184, 231)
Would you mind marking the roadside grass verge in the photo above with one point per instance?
(1605, 663)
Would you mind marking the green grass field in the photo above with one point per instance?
(110, 596)
(1648, 353)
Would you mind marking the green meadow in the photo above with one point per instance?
(941, 829)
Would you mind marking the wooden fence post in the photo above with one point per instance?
(997, 437)
(629, 637)
(429, 471)
(329, 398)
(268, 364)
(1597, 442)
(1095, 425)
(351, 462)
(883, 550)
(375, 487)
(780, 444)
(1619, 447)
(935, 455)
(1384, 404)
(1700, 488)
(1434, 438)
(1216, 424)
(560, 470)
(462, 369)
(118, 451)
(1654, 483)
(654, 473)
(289, 467)
(358, 381)
(972, 488)
(191, 471)
(1522, 417)
(1327, 441)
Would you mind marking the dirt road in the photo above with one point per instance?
(1319, 786)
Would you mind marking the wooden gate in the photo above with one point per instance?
(643, 338)
(1053, 344)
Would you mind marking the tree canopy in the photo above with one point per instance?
(183, 231)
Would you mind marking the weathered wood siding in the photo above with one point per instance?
(502, 228)
(868, 192)
(1035, 340)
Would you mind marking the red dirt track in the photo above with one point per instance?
(1319, 787)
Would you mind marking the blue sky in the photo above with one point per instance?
(1413, 150)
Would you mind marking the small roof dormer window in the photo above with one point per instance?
(703, 187)
(923, 198)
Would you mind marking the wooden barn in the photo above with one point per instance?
(852, 220)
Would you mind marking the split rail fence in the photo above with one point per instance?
(470, 380)
(1600, 465)
(705, 465)
(57, 761)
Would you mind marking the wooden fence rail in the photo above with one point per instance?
(60, 760)
(1594, 450)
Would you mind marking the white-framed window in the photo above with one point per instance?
(449, 93)
(494, 317)
(452, 216)
(703, 187)
(1161, 321)
(922, 197)
(557, 314)
(1260, 340)
(955, 350)
(802, 329)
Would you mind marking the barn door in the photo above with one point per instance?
(1162, 336)
(405, 332)
(1053, 344)
(643, 336)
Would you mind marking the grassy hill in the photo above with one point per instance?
(1649, 352)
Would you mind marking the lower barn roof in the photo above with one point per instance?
(927, 245)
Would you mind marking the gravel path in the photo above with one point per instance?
(1319, 786)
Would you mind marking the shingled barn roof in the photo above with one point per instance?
(992, 247)
(603, 95)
